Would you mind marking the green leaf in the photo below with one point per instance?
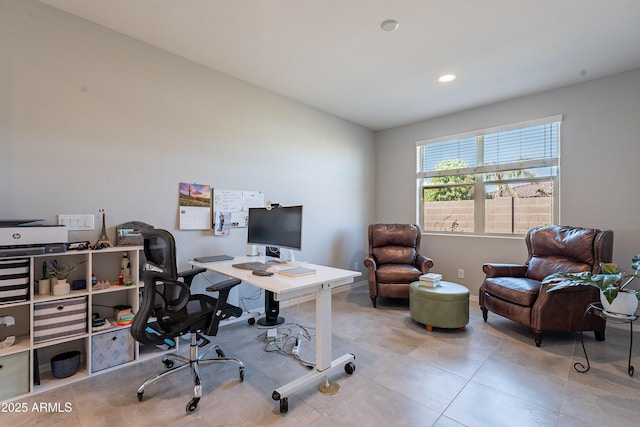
(609, 267)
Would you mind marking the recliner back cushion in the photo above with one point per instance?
(394, 255)
(394, 243)
(560, 249)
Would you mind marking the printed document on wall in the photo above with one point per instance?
(195, 206)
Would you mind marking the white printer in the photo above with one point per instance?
(21, 237)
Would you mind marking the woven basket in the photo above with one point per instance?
(64, 365)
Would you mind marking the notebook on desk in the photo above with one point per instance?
(296, 271)
(214, 258)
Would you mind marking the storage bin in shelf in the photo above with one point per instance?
(14, 375)
(112, 348)
(59, 319)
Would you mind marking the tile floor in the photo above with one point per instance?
(489, 375)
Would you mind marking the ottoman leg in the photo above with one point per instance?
(462, 328)
(429, 328)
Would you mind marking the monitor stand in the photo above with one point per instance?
(272, 309)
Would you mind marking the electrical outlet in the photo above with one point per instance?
(77, 222)
(460, 273)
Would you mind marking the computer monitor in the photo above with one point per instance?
(279, 226)
(276, 227)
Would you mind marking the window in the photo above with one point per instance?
(500, 181)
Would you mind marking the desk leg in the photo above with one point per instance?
(323, 328)
(324, 364)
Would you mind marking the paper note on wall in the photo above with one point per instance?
(231, 209)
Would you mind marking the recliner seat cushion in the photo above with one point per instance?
(397, 273)
(518, 290)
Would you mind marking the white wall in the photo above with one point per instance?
(600, 150)
(93, 119)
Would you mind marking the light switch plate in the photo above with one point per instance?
(77, 222)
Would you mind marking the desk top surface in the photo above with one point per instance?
(278, 283)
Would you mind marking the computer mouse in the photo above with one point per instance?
(262, 273)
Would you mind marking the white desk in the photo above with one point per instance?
(320, 283)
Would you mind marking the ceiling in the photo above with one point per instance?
(333, 55)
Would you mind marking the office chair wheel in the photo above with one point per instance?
(219, 351)
(350, 368)
(284, 405)
(192, 406)
(241, 374)
(252, 321)
(168, 363)
(140, 394)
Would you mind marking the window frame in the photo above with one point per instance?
(479, 172)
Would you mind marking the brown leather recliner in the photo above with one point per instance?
(515, 290)
(394, 260)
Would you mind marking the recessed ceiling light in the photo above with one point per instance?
(389, 25)
(446, 78)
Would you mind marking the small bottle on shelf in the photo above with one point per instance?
(124, 262)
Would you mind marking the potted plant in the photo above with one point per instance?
(59, 275)
(61, 272)
(611, 282)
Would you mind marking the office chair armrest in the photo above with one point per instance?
(188, 275)
(223, 285)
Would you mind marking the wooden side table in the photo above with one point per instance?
(596, 309)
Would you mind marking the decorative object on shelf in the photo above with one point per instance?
(614, 295)
(44, 284)
(103, 240)
(66, 364)
(101, 284)
(9, 340)
(60, 275)
(130, 233)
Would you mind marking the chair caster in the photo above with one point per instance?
(252, 321)
(219, 351)
(168, 363)
(192, 406)
(350, 368)
(284, 405)
(140, 394)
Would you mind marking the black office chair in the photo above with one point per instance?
(169, 310)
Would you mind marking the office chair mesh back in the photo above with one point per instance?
(176, 310)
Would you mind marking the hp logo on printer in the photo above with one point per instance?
(16, 236)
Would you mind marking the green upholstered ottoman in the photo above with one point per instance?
(445, 306)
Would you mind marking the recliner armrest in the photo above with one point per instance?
(424, 263)
(504, 270)
(370, 263)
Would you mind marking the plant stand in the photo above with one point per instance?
(596, 309)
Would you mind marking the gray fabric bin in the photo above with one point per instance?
(59, 319)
